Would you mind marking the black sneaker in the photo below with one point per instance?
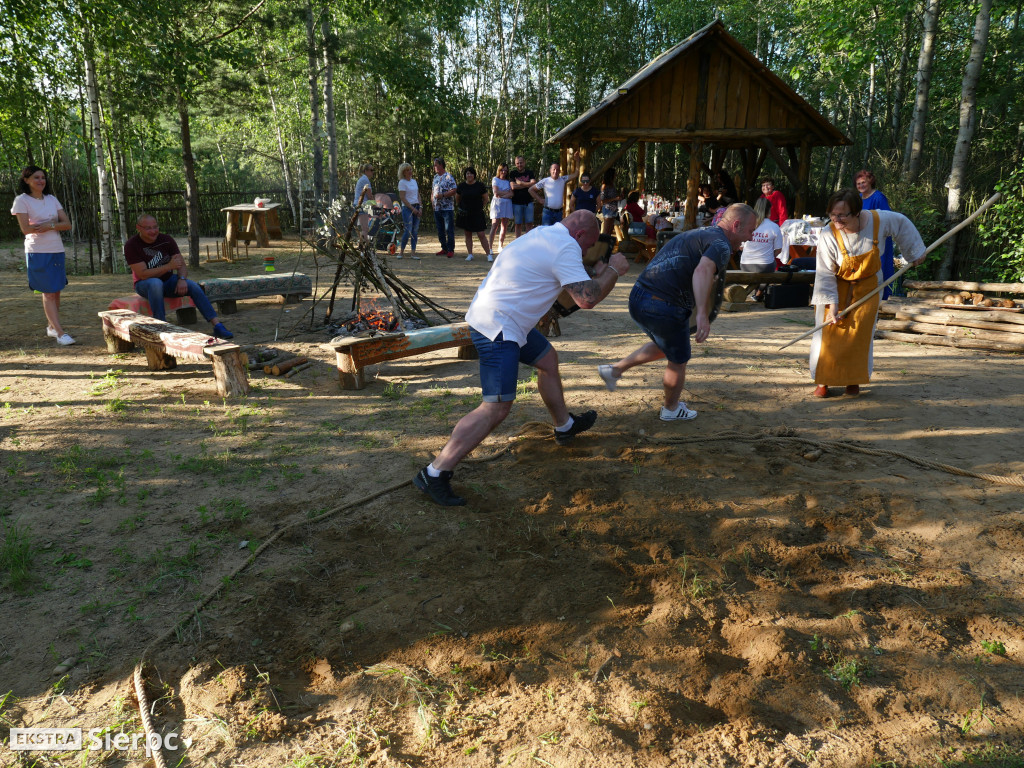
(580, 423)
(438, 488)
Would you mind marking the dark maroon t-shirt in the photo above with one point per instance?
(155, 254)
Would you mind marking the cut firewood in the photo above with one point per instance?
(956, 285)
(298, 369)
(287, 365)
(268, 366)
(981, 320)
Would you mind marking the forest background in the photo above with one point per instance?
(180, 108)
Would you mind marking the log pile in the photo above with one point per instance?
(956, 314)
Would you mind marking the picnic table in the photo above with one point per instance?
(260, 224)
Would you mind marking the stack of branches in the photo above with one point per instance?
(357, 264)
(956, 314)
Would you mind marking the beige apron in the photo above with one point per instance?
(846, 346)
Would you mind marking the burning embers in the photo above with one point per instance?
(373, 319)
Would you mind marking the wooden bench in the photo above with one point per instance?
(354, 353)
(182, 307)
(292, 287)
(165, 344)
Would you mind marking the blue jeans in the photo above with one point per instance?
(667, 325)
(154, 290)
(412, 226)
(500, 359)
(445, 221)
(550, 216)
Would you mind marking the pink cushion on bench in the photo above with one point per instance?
(138, 304)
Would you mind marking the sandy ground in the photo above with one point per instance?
(654, 595)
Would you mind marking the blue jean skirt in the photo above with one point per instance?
(46, 272)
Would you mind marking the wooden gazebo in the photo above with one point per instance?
(711, 95)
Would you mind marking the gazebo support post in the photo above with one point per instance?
(696, 150)
(804, 172)
(641, 166)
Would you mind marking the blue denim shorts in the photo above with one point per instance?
(668, 325)
(500, 359)
(523, 214)
(46, 272)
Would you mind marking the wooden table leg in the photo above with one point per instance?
(259, 220)
(232, 233)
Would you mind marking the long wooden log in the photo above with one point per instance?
(952, 331)
(286, 366)
(959, 285)
(758, 278)
(958, 319)
(943, 341)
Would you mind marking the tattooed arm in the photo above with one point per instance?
(587, 293)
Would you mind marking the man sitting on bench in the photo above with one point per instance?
(158, 270)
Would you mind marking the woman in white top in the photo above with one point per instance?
(409, 194)
(362, 198)
(849, 266)
(41, 218)
(501, 206)
(764, 246)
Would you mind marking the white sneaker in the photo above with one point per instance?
(51, 332)
(607, 374)
(470, 257)
(682, 413)
(414, 257)
(65, 340)
(398, 255)
(490, 257)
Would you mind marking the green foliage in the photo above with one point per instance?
(1002, 229)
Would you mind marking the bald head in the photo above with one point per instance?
(738, 222)
(583, 227)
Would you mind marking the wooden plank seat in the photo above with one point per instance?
(355, 353)
(225, 291)
(182, 307)
(165, 344)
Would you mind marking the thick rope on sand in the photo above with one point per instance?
(778, 435)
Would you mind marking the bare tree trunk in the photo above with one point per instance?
(870, 118)
(332, 134)
(915, 137)
(314, 105)
(191, 184)
(505, 53)
(92, 93)
(968, 122)
(901, 78)
(288, 186)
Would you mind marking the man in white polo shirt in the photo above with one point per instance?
(550, 192)
(525, 279)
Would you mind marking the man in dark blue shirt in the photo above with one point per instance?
(677, 283)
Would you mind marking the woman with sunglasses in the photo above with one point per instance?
(849, 266)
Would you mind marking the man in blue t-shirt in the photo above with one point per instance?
(679, 282)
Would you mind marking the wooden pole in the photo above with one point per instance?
(803, 171)
(959, 285)
(692, 183)
(286, 366)
(943, 341)
(641, 167)
(952, 331)
(947, 319)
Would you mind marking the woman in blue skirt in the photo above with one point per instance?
(42, 219)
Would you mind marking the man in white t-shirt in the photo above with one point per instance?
(550, 192)
(758, 254)
(526, 278)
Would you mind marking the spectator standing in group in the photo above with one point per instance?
(501, 207)
(409, 194)
(42, 218)
(777, 210)
(584, 197)
(550, 192)
(521, 179)
(609, 201)
(873, 200)
(364, 194)
(442, 197)
(470, 199)
(764, 246)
